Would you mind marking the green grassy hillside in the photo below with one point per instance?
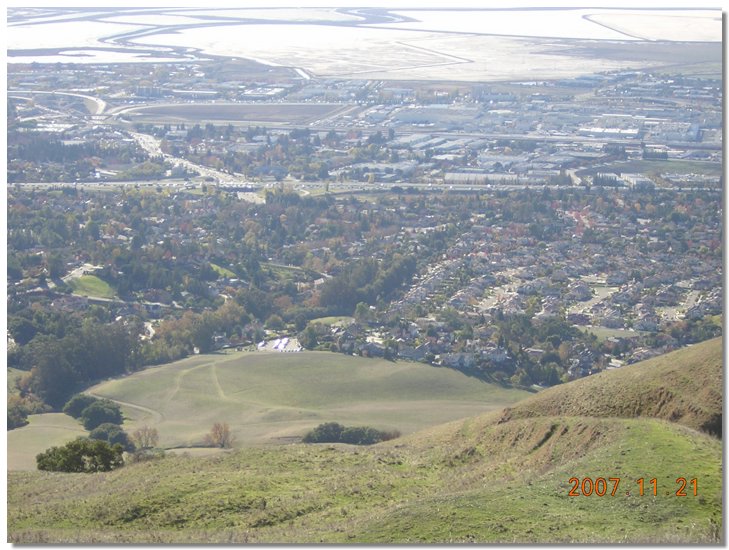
(272, 397)
(491, 478)
(491, 482)
(685, 386)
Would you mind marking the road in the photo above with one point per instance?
(100, 103)
(152, 146)
(101, 111)
(119, 301)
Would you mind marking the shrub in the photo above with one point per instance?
(219, 436)
(100, 412)
(332, 432)
(329, 432)
(274, 322)
(145, 437)
(112, 434)
(81, 455)
(20, 407)
(144, 455)
(360, 436)
(17, 412)
(76, 405)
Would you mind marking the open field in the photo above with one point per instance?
(603, 333)
(504, 476)
(658, 167)
(284, 271)
(708, 69)
(271, 398)
(222, 271)
(281, 113)
(334, 321)
(91, 285)
(43, 431)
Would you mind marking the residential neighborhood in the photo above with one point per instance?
(528, 232)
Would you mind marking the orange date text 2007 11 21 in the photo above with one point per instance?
(601, 487)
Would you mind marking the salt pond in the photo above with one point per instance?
(469, 45)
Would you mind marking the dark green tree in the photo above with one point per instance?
(112, 434)
(100, 412)
(53, 376)
(17, 412)
(82, 456)
(333, 432)
(22, 329)
(329, 432)
(76, 405)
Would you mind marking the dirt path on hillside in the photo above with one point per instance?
(158, 416)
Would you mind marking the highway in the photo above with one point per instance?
(152, 145)
(100, 103)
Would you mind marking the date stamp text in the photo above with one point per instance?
(610, 486)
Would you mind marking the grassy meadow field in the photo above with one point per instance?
(603, 333)
(91, 285)
(222, 271)
(674, 166)
(500, 477)
(273, 398)
(43, 431)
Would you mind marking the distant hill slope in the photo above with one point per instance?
(494, 478)
(274, 398)
(684, 386)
